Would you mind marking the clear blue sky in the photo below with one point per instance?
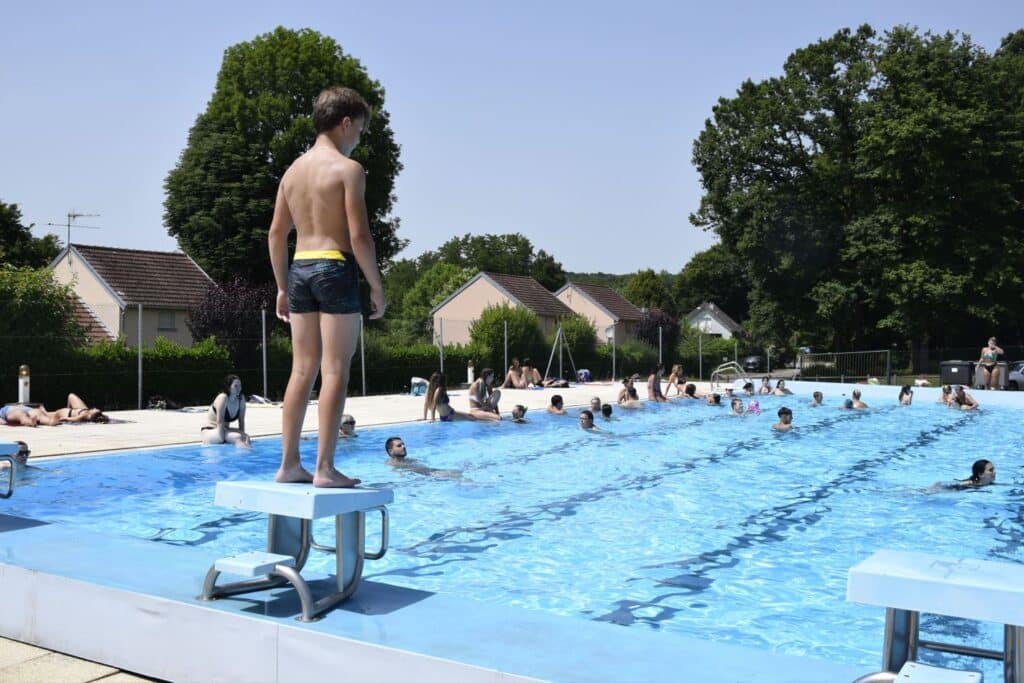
(571, 123)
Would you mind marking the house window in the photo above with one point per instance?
(165, 321)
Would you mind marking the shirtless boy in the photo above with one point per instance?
(321, 195)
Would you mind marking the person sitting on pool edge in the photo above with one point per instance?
(817, 399)
(348, 427)
(857, 403)
(556, 405)
(587, 421)
(483, 397)
(515, 378)
(519, 414)
(785, 422)
(676, 380)
(766, 385)
(227, 407)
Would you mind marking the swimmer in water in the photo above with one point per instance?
(736, 406)
(398, 458)
(587, 421)
(817, 399)
(983, 473)
(906, 396)
(785, 422)
(519, 414)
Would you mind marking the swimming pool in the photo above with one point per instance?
(677, 518)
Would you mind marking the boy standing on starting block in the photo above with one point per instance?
(321, 196)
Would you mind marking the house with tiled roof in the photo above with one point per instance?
(110, 285)
(453, 316)
(710, 319)
(610, 312)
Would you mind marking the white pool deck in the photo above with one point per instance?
(20, 661)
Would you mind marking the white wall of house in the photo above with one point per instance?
(456, 316)
(91, 290)
(579, 303)
(709, 324)
(156, 322)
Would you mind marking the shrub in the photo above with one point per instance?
(487, 335)
(231, 312)
(631, 356)
(647, 330)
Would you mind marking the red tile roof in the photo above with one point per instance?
(95, 331)
(531, 294)
(151, 278)
(612, 301)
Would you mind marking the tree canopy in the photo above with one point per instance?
(713, 275)
(873, 191)
(647, 289)
(18, 247)
(220, 195)
(511, 254)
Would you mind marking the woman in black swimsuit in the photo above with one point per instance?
(225, 409)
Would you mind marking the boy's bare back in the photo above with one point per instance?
(323, 189)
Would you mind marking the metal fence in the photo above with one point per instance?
(845, 366)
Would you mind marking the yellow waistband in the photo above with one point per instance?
(333, 254)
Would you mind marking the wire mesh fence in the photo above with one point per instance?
(846, 366)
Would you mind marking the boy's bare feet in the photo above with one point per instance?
(293, 475)
(334, 479)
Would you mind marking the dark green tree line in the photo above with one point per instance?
(872, 190)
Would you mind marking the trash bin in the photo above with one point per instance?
(1004, 371)
(956, 372)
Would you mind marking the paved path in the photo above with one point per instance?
(21, 663)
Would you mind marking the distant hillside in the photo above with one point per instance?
(616, 282)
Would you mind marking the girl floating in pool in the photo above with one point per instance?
(983, 473)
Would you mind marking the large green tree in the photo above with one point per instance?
(18, 247)
(220, 195)
(512, 254)
(714, 275)
(870, 190)
(647, 289)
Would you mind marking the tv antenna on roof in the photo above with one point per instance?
(72, 216)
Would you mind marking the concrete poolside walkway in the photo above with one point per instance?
(21, 663)
(151, 428)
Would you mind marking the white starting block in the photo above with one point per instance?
(291, 509)
(907, 584)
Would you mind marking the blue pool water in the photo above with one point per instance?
(678, 517)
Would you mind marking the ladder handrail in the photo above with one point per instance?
(731, 365)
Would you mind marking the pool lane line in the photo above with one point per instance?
(515, 524)
(774, 522)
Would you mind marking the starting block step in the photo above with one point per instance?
(255, 563)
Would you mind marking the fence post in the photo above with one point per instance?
(659, 345)
(139, 311)
(768, 353)
(888, 366)
(700, 357)
(506, 344)
(559, 337)
(613, 350)
(440, 337)
(362, 352)
(263, 319)
(735, 350)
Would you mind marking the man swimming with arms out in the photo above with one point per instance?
(322, 196)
